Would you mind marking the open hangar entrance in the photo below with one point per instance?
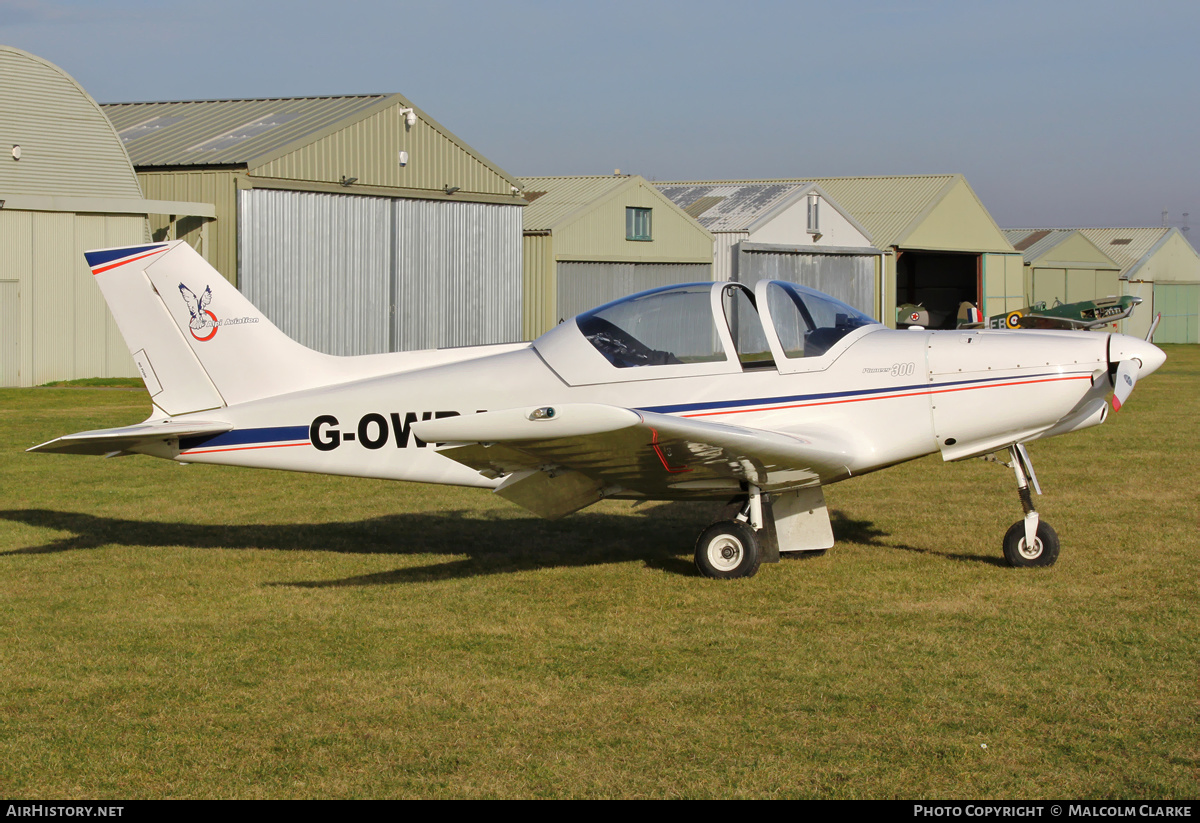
(939, 281)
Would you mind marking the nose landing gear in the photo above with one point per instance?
(1030, 541)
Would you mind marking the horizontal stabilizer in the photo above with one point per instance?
(129, 438)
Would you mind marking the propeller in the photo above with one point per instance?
(1128, 359)
(1124, 381)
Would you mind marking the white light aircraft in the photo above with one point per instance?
(709, 391)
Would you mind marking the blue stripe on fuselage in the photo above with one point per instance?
(277, 434)
(883, 392)
(242, 437)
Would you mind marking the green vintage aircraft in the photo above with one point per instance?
(1086, 314)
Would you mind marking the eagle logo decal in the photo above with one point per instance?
(203, 325)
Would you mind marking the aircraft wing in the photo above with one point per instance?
(559, 460)
(1090, 314)
(128, 438)
(1043, 321)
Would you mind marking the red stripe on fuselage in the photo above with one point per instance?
(244, 448)
(890, 396)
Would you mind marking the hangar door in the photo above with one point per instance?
(1074, 285)
(346, 274)
(848, 277)
(1179, 304)
(584, 286)
(939, 281)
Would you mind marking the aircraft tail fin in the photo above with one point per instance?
(969, 317)
(174, 377)
(198, 343)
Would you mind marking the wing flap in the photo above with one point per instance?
(128, 438)
(551, 495)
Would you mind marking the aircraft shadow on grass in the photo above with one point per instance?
(482, 545)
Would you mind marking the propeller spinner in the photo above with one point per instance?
(1133, 359)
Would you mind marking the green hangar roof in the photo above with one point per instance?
(220, 132)
(374, 140)
(1059, 247)
(1136, 251)
(938, 212)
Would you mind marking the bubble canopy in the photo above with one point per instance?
(703, 328)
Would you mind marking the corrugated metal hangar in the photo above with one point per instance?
(946, 248)
(1157, 264)
(358, 224)
(589, 240)
(940, 245)
(1063, 266)
(66, 186)
(784, 231)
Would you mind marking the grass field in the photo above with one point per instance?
(192, 631)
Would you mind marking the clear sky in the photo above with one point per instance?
(1058, 113)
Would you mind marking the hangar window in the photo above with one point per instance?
(246, 131)
(637, 224)
(663, 327)
(151, 126)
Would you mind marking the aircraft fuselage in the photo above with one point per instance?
(905, 393)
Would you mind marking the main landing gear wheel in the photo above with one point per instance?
(727, 550)
(1019, 553)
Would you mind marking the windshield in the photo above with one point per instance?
(662, 327)
(808, 322)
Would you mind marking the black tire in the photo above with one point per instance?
(727, 550)
(1043, 553)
